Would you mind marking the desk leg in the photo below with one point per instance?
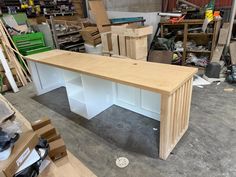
(175, 111)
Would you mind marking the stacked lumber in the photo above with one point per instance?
(128, 41)
(13, 63)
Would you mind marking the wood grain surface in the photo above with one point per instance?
(161, 78)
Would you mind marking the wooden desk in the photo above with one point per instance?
(67, 166)
(94, 83)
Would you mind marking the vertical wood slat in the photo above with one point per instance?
(190, 87)
(175, 111)
(172, 120)
(115, 44)
(184, 116)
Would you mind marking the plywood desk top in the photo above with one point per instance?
(161, 78)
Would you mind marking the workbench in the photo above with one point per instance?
(68, 166)
(94, 83)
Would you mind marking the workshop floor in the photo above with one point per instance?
(208, 149)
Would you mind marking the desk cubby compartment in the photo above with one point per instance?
(74, 87)
(78, 107)
(72, 78)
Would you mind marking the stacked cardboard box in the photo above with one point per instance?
(44, 129)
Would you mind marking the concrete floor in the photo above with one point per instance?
(208, 149)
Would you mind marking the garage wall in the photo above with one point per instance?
(133, 5)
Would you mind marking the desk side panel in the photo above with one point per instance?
(138, 100)
(175, 111)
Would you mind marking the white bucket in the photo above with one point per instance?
(93, 49)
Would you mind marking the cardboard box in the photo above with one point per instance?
(40, 123)
(57, 149)
(91, 35)
(20, 152)
(160, 56)
(46, 132)
(54, 138)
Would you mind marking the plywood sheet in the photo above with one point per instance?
(99, 12)
(217, 53)
(155, 77)
(224, 31)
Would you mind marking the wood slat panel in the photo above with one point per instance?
(175, 111)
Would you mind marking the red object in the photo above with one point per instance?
(176, 20)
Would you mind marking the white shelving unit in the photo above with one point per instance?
(88, 96)
(75, 93)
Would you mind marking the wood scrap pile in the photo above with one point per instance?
(91, 35)
(14, 70)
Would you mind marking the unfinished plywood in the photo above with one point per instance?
(106, 42)
(155, 77)
(217, 53)
(175, 110)
(115, 44)
(134, 31)
(122, 45)
(224, 32)
(99, 12)
(138, 47)
(232, 48)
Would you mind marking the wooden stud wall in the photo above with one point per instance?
(175, 111)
